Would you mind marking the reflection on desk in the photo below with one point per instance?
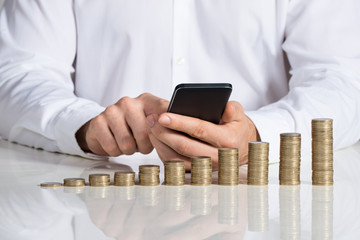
(170, 212)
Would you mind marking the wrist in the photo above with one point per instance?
(81, 137)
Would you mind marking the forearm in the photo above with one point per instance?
(330, 95)
(37, 49)
(324, 54)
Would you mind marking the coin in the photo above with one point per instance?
(228, 173)
(99, 180)
(323, 178)
(258, 163)
(50, 184)
(74, 182)
(124, 179)
(201, 171)
(149, 175)
(174, 173)
(322, 151)
(290, 154)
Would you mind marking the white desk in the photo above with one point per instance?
(215, 212)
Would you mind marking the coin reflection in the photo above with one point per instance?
(99, 192)
(258, 207)
(228, 198)
(148, 195)
(290, 217)
(174, 198)
(74, 190)
(124, 192)
(322, 212)
(201, 200)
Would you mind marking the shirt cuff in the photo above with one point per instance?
(270, 124)
(69, 122)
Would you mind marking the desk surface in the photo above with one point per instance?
(187, 212)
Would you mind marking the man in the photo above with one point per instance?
(67, 67)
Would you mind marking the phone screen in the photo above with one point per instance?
(205, 101)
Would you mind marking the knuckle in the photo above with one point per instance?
(164, 104)
(111, 110)
(147, 149)
(142, 137)
(128, 147)
(183, 147)
(237, 106)
(145, 95)
(111, 149)
(200, 131)
(97, 121)
(125, 101)
(231, 142)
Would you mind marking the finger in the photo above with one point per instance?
(153, 104)
(183, 144)
(100, 139)
(166, 153)
(137, 122)
(203, 130)
(233, 112)
(97, 149)
(121, 131)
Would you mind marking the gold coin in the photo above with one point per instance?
(174, 173)
(74, 182)
(50, 184)
(258, 163)
(290, 156)
(149, 175)
(99, 180)
(322, 151)
(124, 179)
(228, 173)
(201, 171)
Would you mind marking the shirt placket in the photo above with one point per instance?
(181, 37)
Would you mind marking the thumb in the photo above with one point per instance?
(233, 112)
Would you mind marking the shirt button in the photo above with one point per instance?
(180, 61)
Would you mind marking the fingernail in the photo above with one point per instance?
(150, 120)
(164, 120)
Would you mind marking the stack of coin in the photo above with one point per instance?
(50, 184)
(201, 171)
(174, 173)
(258, 163)
(149, 175)
(290, 153)
(322, 151)
(228, 166)
(74, 182)
(99, 180)
(124, 179)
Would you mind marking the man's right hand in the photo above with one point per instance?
(122, 127)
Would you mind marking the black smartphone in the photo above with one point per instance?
(205, 101)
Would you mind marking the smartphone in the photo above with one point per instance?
(205, 101)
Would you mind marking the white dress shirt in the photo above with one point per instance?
(63, 61)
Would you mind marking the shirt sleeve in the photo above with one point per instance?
(38, 106)
(322, 42)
